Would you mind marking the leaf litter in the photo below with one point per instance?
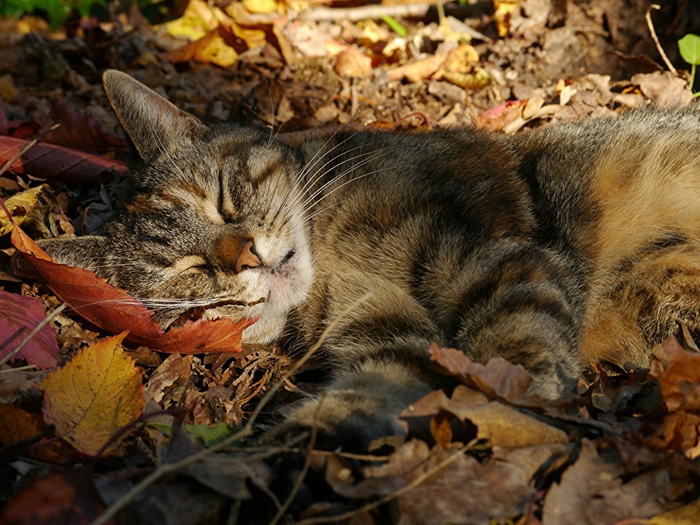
(160, 438)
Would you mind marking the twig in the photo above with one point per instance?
(305, 469)
(656, 39)
(18, 369)
(245, 432)
(369, 12)
(415, 483)
(46, 320)
(26, 148)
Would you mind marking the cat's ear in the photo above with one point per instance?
(88, 251)
(155, 125)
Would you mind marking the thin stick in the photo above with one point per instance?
(27, 147)
(18, 369)
(415, 483)
(246, 431)
(46, 320)
(656, 39)
(305, 469)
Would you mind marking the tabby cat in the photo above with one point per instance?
(552, 248)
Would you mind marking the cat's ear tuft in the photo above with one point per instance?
(89, 251)
(154, 125)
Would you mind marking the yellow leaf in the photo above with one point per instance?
(94, 396)
(187, 27)
(252, 37)
(20, 206)
(504, 9)
(218, 52)
(260, 6)
(686, 515)
(197, 20)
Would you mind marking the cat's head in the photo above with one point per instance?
(214, 222)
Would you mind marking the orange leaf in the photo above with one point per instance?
(94, 396)
(17, 425)
(66, 498)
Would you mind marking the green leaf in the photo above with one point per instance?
(689, 47)
(394, 25)
(209, 434)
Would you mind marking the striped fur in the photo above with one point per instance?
(551, 248)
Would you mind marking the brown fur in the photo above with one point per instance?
(551, 248)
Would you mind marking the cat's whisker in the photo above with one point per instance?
(319, 174)
(375, 156)
(307, 218)
(307, 168)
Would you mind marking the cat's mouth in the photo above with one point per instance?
(198, 312)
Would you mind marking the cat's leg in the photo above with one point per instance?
(516, 301)
(378, 352)
(522, 302)
(638, 302)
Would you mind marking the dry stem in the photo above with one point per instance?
(656, 39)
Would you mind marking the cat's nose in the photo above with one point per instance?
(247, 258)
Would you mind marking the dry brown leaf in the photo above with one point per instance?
(52, 162)
(592, 492)
(419, 70)
(94, 396)
(506, 427)
(678, 373)
(18, 425)
(353, 63)
(497, 378)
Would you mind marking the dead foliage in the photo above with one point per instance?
(106, 419)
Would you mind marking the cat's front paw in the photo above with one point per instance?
(339, 420)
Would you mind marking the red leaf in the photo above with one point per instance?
(19, 315)
(77, 130)
(58, 163)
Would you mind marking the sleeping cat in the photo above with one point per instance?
(552, 248)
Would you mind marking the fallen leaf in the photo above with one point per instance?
(419, 70)
(61, 498)
(47, 161)
(497, 378)
(461, 487)
(14, 384)
(592, 491)
(94, 396)
(20, 205)
(260, 6)
(506, 427)
(665, 89)
(678, 374)
(216, 47)
(685, 515)
(353, 63)
(8, 91)
(78, 130)
(19, 315)
(17, 425)
(174, 371)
